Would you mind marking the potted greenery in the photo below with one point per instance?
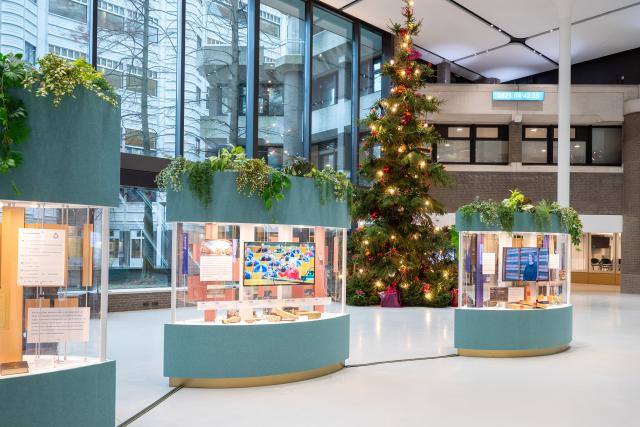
(233, 188)
(518, 213)
(60, 132)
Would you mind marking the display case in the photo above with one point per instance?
(514, 288)
(259, 299)
(54, 222)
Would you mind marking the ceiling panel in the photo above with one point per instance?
(525, 18)
(447, 30)
(337, 3)
(507, 63)
(606, 35)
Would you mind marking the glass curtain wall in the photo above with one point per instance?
(215, 94)
(139, 240)
(137, 45)
(281, 80)
(370, 80)
(137, 53)
(331, 91)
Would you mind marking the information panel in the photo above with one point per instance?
(41, 257)
(58, 324)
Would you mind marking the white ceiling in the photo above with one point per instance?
(471, 33)
(499, 63)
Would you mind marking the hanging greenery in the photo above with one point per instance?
(503, 214)
(54, 76)
(255, 177)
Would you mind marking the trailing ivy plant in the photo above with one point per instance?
(54, 76)
(59, 78)
(503, 214)
(255, 177)
(13, 117)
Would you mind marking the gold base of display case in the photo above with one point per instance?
(254, 381)
(512, 353)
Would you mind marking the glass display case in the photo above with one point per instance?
(514, 287)
(255, 273)
(519, 270)
(52, 287)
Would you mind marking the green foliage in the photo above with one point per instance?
(226, 160)
(503, 214)
(278, 182)
(298, 166)
(398, 245)
(55, 76)
(253, 177)
(13, 116)
(170, 178)
(60, 78)
(327, 179)
(200, 177)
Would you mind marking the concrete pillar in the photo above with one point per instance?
(444, 72)
(515, 142)
(630, 277)
(564, 102)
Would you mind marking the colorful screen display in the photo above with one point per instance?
(278, 263)
(526, 264)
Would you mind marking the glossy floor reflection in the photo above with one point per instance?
(594, 383)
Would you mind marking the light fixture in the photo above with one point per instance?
(544, 150)
(577, 146)
(459, 129)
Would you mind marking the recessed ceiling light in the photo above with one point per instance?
(544, 150)
(534, 130)
(459, 129)
(577, 146)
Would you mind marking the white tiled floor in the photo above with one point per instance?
(596, 382)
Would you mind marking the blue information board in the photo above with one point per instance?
(500, 95)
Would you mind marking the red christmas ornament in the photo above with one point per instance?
(429, 64)
(386, 169)
(375, 214)
(403, 32)
(407, 11)
(413, 55)
(406, 118)
(426, 287)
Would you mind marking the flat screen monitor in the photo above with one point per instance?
(526, 264)
(279, 263)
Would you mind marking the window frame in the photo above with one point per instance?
(503, 135)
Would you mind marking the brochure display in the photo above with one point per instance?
(513, 289)
(54, 268)
(259, 302)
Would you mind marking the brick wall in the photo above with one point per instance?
(591, 193)
(139, 301)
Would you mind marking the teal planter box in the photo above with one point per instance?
(257, 350)
(301, 205)
(75, 397)
(522, 222)
(72, 154)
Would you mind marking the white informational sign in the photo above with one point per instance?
(59, 324)
(216, 268)
(515, 294)
(554, 261)
(41, 257)
(488, 263)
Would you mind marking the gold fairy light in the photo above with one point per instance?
(422, 164)
(379, 173)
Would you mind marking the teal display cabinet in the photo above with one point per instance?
(258, 296)
(514, 288)
(54, 232)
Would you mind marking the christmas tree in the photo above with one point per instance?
(398, 247)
